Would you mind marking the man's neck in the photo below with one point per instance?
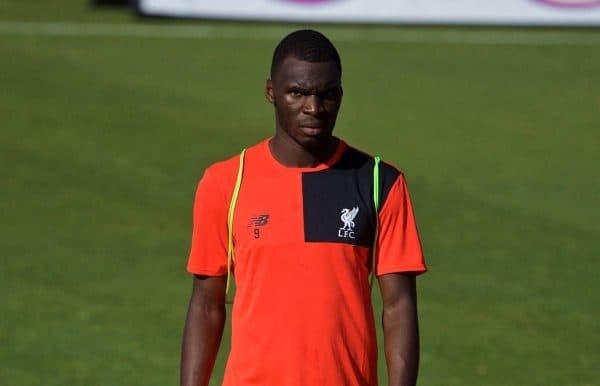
(292, 154)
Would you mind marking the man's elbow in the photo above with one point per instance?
(401, 307)
(208, 310)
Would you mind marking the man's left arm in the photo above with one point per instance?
(400, 327)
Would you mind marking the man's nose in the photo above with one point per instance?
(313, 105)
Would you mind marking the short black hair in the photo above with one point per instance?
(307, 45)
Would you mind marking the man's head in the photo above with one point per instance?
(305, 87)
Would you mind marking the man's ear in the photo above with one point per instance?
(269, 91)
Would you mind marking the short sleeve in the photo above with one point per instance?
(399, 247)
(208, 254)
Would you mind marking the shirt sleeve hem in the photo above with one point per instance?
(206, 272)
(416, 269)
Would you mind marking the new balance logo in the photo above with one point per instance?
(258, 221)
(347, 217)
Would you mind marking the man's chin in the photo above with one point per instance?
(316, 142)
(309, 138)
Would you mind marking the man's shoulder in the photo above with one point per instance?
(229, 166)
(362, 165)
(354, 158)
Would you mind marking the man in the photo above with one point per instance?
(303, 232)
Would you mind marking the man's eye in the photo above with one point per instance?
(296, 93)
(330, 94)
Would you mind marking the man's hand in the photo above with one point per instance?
(400, 328)
(203, 330)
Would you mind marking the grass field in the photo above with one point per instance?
(103, 138)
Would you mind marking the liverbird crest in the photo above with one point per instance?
(347, 218)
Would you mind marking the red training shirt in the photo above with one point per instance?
(302, 314)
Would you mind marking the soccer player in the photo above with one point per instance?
(304, 228)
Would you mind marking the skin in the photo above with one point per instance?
(400, 328)
(306, 97)
(203, 330)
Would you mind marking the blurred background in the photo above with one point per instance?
(109, 114)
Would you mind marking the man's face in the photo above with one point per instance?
(307, 97)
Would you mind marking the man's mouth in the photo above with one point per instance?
(311, 130)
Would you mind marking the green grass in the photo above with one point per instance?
(102, 141)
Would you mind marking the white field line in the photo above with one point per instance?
(338, 34)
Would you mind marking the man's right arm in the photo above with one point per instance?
(203, 330)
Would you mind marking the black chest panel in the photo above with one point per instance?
(338, 201)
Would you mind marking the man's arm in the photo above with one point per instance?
(203, 330)
(400, 328)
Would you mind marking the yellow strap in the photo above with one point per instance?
(230, 213)
(376, 195)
